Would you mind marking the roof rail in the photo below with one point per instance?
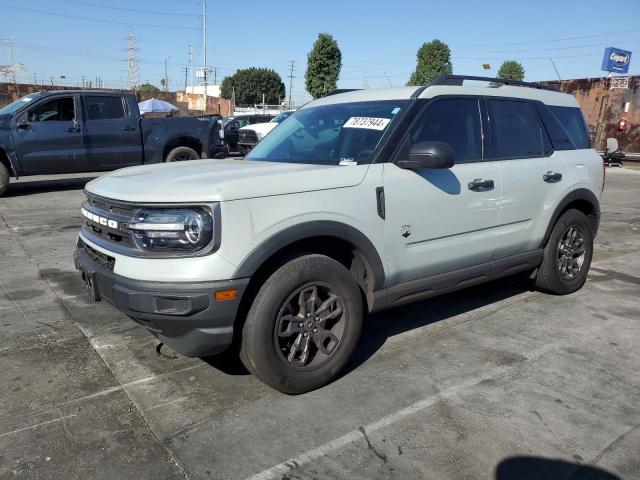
(341, 90)
(448, 79)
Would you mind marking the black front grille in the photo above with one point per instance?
(121, 213)
(100, 258)
(248, 136)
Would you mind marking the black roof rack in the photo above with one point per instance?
(448, 79)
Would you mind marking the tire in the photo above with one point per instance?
(277, 329)
(4, 178)
(567, 255)
(181, 154)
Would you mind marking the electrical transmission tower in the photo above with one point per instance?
(133, 77)
(292, 66)
(9, 70)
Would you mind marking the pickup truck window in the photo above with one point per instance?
(56, 110)
(104, 108)
(343, 133)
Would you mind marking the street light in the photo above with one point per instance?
(166, 76)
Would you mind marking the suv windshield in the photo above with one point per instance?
(12, 107)
(337, 134)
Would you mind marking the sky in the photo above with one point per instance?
(378, 40)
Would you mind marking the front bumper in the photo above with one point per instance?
(185, 316)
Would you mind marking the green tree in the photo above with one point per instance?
(250, 84)
(148, 88)
(511, 70)
(433, 59)
(323, 66)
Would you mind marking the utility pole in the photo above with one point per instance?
(204, 55)
(186, 78)
(215, 75)
(133, 72)
(82, 81)
(292, 66)
(191, 67)
(166, 75)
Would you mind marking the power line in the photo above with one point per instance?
(546, 41)
(100, 20)
(111, 7)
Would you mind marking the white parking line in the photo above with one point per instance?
(359, 433)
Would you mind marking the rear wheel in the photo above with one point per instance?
(4, 178)
(567, 255)
(303, 325)
(181, 154)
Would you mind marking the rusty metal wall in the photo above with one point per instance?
(603, 108)
(10, 92)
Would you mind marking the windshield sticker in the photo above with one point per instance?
(348, 162)
(370, 123)
(26, 99)
(395, 110)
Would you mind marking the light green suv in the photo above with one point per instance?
(360, 201)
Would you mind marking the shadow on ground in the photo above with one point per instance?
(538, 468)
(43, 186)
(381, 326)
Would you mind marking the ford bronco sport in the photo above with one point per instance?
(358, 202)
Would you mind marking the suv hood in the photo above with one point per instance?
(221, 180)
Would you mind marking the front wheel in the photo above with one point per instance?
(303, 325)
(182, 154)
(567, 255)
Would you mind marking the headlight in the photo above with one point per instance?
(177, 230)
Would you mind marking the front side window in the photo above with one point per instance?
(516, 130)
(57, 110)
(454, 121)
(337, 134)
(104, 108)
(573, 122)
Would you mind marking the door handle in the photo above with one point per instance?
(128, 129)
(481, 184)
(73, 129)
(552, 176)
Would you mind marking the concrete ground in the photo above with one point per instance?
(494, 382)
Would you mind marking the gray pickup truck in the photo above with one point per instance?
(85, 131)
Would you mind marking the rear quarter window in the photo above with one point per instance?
(573, 122)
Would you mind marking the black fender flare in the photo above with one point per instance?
(317, 228)
(580, 194)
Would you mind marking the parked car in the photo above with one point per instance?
(83, 131)
(358, 202)
(233, 124)
(250, 135)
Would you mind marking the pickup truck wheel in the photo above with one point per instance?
(303, 325)
(181, 154)
(567, 255)
(4, 178)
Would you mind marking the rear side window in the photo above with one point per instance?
(104, 108)
(455, 121)
(573, 122)
(515, 129)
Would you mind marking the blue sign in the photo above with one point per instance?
(616, 60)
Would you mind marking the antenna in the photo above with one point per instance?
(204, 55)
(292, 66)
(133, 77)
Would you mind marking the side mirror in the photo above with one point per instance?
(428, 155)
(22, 123)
